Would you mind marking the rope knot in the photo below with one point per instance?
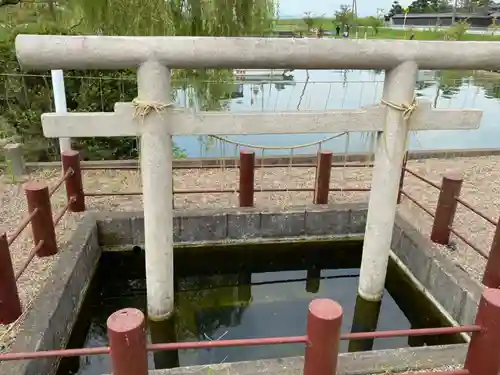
(407, 109)
(142, 108)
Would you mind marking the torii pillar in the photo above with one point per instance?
(399, 88)
(153, 82)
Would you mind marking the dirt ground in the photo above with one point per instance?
(481, 189)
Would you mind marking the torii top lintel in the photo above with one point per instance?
(43, 52)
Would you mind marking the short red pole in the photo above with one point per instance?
(402, 178)
(42, 224)
(10, 305)
(322, 182)
(247, 172)
(482, 356)
(446, 209)
(127, 342)
(74, 187)
(324, 322)
(491, 277)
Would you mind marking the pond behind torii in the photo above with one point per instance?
(351, 89)
(257, 291)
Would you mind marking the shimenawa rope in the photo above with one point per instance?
(143, 108)
(407, 111)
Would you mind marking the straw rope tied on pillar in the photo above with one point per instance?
(143, 108)
(406, 110)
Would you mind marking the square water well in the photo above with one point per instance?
(241, 274)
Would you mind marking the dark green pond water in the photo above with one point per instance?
(247, 292)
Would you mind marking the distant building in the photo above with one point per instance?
(444, 19)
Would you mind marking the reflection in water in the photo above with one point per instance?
(313, 280)
(365, 319)
(330, 89)
(162, 332)
(262, 292)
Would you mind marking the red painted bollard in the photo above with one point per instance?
(42, 224)
(74, 187)
(247, 172)
(127, 342)
(491, 277)
(402, 178)
(322, 181)
(324, 321)
(482, 355)
(10, 305)
(446, 209)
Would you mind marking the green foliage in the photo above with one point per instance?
(494, 26)
(344, 15)
(309, 21)
(458, 31)
(427, 6)
(175, 17)
(24, 97)
(396, 8)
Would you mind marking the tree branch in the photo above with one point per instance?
(9, 2)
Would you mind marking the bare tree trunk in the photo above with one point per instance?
(52, 9)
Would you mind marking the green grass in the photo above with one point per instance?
(383, 33)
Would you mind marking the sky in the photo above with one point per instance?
(290, 8)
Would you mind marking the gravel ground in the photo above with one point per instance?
(481, 176)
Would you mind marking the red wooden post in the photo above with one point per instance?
(402, 178)
(247, 172)
(323, 172)
(446, 208)
(324, 321)
(482, 356)
(127, 342)
(42, 224)
(10, 305)
(491, 277)
(74, 187)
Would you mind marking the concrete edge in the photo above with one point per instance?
(300, 159)
(356, 237)
(451, 286)
(49, 325)
(234, 225)
(375, 362)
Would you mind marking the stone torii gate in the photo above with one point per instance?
(153, 118)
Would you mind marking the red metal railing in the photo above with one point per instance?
(443, 218)
(128, 342)
(323, 331)
(43, 225)
(246, 190)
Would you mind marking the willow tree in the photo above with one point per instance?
(29, 97)
(175, 17)
(207, 89)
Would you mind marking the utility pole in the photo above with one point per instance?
(454, 14)
(354, 9)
